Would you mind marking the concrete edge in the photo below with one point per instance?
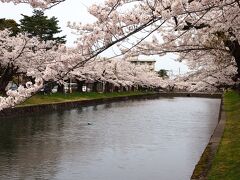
(28, 110)
(204, 164)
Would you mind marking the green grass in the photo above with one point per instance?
(226, 164)
(76, 96)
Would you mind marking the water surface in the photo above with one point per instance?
(160, 139)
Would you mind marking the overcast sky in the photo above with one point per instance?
(76, 11)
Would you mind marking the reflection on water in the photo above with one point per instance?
(159, 139)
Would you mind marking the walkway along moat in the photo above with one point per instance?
(135, 139)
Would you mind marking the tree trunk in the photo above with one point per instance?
(3, 84)
(107, 87)
(234, 48)
(94, 89)
(5, 77)
(80, 85)
(116, 88)
(60, 88)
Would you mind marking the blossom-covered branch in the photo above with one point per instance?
(36, 3)
(191, 28)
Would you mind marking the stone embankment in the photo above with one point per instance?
(32, 109)
(204, 164)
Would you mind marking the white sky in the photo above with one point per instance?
(76, 11)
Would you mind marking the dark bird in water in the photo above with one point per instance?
(89, 123)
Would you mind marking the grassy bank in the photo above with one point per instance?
(226, 164)
(76, 96)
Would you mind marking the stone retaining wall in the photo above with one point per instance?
(204, 164)
(26, 110)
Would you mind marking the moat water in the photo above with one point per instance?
(157, 139)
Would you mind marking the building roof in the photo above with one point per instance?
(142, 60)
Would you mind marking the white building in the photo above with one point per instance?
(150, 63)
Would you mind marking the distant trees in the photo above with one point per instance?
(37, 25)
(163, 73)
(41, 26)
(11, 25)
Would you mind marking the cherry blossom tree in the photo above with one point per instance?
(36, 3)
(44, 63)
(117, 73)
(182, 26)
(20, 54)
(40, 61)
(199, 31)
(204, 33)
(214, 81)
